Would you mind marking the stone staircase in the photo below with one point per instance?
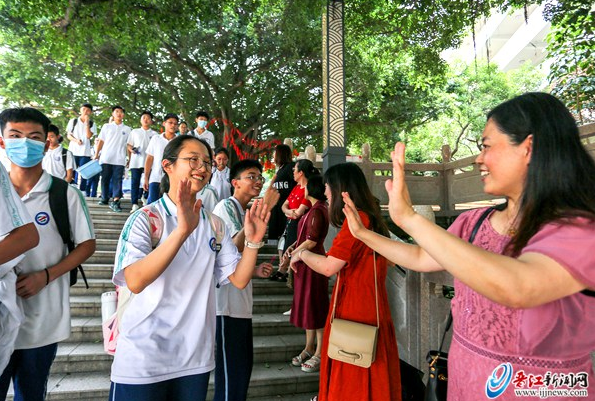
(81, 370)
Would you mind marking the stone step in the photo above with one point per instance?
(90, 305)
(89, 356)
(106, 223)
(88, 329)
(99, 285)
(269, 381)
(104, 256)
(107, 233)
(104, 244)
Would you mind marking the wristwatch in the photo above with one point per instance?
(253, 245)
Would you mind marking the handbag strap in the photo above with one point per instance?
(375, 294)
(476, 227)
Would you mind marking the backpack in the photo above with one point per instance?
(111, 327)
(59, 209)
(76, 120)
(64, 153)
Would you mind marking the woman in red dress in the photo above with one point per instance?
(310, 296)
(356, 294)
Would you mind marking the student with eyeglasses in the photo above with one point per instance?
(234, 355)
(166, 347)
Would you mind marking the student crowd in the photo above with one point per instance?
(524, 287)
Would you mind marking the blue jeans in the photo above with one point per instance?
(135, 190)
(29, 369)
(153, 192)
(79, 161)
(111, 174)
(187, 388)
(92, 184)
(233, 358)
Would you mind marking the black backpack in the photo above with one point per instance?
(76, 120)
(64, 153)
(59, 209)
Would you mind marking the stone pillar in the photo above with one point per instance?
(333, 85)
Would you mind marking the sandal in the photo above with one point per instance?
(299, 360)
(315, 398)
(312, 365)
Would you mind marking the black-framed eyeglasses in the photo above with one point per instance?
(196, 162)
(255, 178)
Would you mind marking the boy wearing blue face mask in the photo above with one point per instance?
(42, 285)
(201, 132)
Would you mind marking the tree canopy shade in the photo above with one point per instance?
(254, 63)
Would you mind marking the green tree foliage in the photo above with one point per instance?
(571, 47)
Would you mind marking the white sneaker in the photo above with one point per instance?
(134, 208)
(287, 313)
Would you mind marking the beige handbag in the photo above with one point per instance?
(353, 342)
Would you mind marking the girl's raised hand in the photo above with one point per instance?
(353, 220)
(399, 204)
(188, 208)
(256, 220)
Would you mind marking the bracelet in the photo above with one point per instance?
(253, 245)
(47, 276)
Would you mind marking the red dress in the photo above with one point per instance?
(310, 289)
(356, 301)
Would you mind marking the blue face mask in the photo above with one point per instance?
(24, 152)
(202, 123)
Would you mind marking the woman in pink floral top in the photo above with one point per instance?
(524, 323)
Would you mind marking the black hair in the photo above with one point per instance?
(306, 167)
(147, 112)
(88, 105)
(348, 177)
(282, 155)
(118, 107)
(202, 114)
(183, 122)
(24, 115)
(171, 115)
(315, 187)
(171, 152)
(561, 175)
(222, 150)
(242, 166)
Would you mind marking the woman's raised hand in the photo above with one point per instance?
(353, 220)
(256, 220)
(188, 208)
(399, 203)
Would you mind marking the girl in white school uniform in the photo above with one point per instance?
(165, 349)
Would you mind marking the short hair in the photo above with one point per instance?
(171, 115)
(118, 107)
(147, 112)
(183, 122)
(315, 187)
(55, 130)
(242, 166)
(87, 105)
(222, 150)
(24, 115)
(202, 114)
(282, 155)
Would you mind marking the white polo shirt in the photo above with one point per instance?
(80, 132)
(206, 136)
(53, 163)
(114, 139)
(220, 181)
(156, 146)
(168, 330)
(47, 314)
(139, 138)
(209, 197)
(232, 301)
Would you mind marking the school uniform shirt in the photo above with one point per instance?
(220, 181)
(47, 314)
(80, 132)
(114, 139)
(232, 301)
(168, 329)
(54, 164)
(206, 136)
(139, 139)
(209, 197)
(156, 147)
